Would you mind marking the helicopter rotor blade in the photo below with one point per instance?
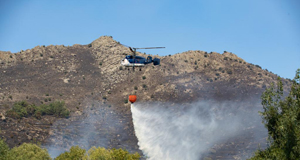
(151, 48)
(124, 45)
(131, 49)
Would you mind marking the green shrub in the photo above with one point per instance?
(20, 108)
(76, 153)
(229, 72)
(113, 154)
(12, 114)
(144, 86)
(125, 101)
(28, 151)
(4, 149)
(144, 77)
(58, 109)
(30, 109)
(38, 114)
(23, 109)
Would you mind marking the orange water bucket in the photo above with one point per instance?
(132, 98)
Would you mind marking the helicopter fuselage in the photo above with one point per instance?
(138, 61)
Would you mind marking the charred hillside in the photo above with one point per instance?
(76, 73)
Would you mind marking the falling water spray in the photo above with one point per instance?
(171, 132)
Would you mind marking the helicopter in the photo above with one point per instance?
(139, 61)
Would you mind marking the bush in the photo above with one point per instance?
(23, 109)
(135, 88)
(58, 109)
(76, 153)
(258, 66)
(125, 101)
(229, 72)
(144, 86)
(4, 149)
(28, 151)
(113, 154)
(35, 152)
(144, 77)
(12, 114)
(20, 108)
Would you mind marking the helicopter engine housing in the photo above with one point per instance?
(156, 61)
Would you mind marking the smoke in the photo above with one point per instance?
(98, 125)
(168, 131)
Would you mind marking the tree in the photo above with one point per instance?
(281, 117)
(76, 153)
(107, 154)
(28, 151)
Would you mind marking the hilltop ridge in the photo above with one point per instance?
(79, 73)
(95, 68)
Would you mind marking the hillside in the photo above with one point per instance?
(84, 75)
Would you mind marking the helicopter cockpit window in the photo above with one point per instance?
(129, 57)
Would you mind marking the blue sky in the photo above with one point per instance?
(263, 32)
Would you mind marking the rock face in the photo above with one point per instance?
(80, 72)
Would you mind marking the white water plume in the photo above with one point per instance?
(171, 132)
